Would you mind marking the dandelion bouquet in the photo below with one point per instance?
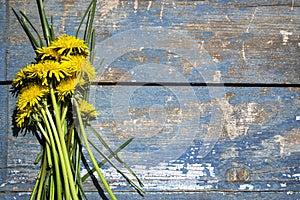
(53, 104)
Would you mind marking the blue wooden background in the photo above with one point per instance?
(220, 118)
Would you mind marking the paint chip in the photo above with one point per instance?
(285, 36)
(246, 187)
(297, 118)
(289, 192)
(283, 184)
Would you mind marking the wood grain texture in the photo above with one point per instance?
(177, 147)
(3, 38)
(182, 196)
(246, 41)
(190, 142)
(3, 134)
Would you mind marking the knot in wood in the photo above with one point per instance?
(237, 174)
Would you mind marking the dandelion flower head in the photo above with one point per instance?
(81, 67)
(49, 70)
(48, 53)
(23, 116)
(73, 62)
(68, 45)
(65, 88)
(87, 110)
(31, 96)
(87, 70)
(19, 79)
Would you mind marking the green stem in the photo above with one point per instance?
(64, 111)
(60, 153)
(43, 169)
(55, 156)
(43, 132)
(76, 149)
(77, 161)
(46, 186)
(36, 185)
(83, 134)
(63, 146)
(48, 152)
(48, 144)
(52, 188)
(39, 156)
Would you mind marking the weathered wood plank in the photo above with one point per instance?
(3, 134)
(247, 140)
(3, 39)
(259, 132)
(243, 41)
(207, 142)
(290, 195)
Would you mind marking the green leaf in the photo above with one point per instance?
(92, 47)
(86, 28)
(110, 156)
(90, 14)
(99, 66)
(44, 21)
(52, 29)
(91, 21)
(138, 189)
(116, 156)
(27, 31)
(83, 17)
(32, 26)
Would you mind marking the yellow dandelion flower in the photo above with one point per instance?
(22, 116)
(31, 96)
(52, 68)
(74, 63)
(19, 78)
(47, 70)
(81, 66)
(65, 88)
(34, 71)
(87, 110)
(87, 70)
(66, 45)
(46, 52)
(80, 82)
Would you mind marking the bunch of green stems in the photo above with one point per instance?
(62, 137)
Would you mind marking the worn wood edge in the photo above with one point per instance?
(288, 195)
(3, 134)
(3, 38)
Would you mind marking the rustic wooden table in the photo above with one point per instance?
(210, 91)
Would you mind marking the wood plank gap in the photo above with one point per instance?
(178, 191)
(5, 82)
(193, 84)
(196, 84)
(268, 5)
(205, 191)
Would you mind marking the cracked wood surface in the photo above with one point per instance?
(190, 142)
